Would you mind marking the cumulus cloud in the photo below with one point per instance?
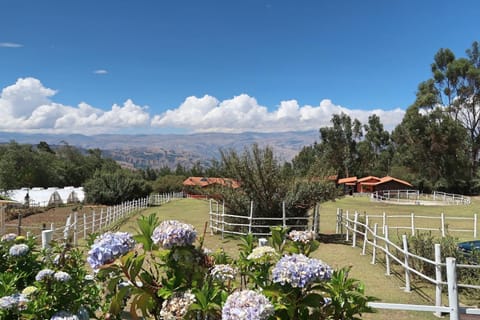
(10, 45)
(100, 71)
(244, 113)
(27, 106)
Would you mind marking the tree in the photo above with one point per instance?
(113, 187)
(338, 144)
(265, 183)
(430, 150)
(374, 150)
(455, 87)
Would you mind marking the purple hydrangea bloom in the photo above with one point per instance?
(44, 274)
(64, 315)
(299, 271)
(108, 247)
(247, 305)
(172, 233)
(19, 250)
(301, 236)
(62, 276)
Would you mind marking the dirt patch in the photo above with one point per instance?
(41, 218)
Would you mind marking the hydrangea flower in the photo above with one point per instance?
(260, 252)
(301, 236)
(172, 233)
(108, 247)
(15, 301)
(176, 306)
(247, 305)
(44, 274)
(299, 270)
(62, 276)
(64, 315)
(9, 237)
(223, 272)
(19, 250)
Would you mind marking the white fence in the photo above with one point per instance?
(79, 224)
(416, 198)
(242, 225)
(413, 223)
(354, 229)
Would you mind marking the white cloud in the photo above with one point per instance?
(27, 106)
(10, 45)
(100, 71)
(243, 113)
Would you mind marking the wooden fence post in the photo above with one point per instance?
(354, 233)
(412, 221)
(284, 215)
(407, 271)
(223, 222)
(387, 252)
(438, 278)
(452, 288)
(19, 227)
(93, 221)
(250, 218)
(84, 225)
(210, 214)
(101, 219)
(384, 222)
(374, 249)
(365, 236)
(316, 220)
(75, 221)
(474, 226)
(442, 219)
(47, 236)
(347, 227)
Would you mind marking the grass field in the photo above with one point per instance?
(335, 253)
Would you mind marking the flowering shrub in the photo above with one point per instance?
(38, 284)
(247, 305)
(108, 247)
(163, 272)
(172, 233)
(299, 271)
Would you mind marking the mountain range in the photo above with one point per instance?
(159, 150)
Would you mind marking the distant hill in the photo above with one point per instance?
(158, 150)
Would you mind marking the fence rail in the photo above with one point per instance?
(415, 197)
(441, 223)
(224, 223)
(79, 225)
(356, 229)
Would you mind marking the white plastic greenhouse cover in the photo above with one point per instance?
(50, 196)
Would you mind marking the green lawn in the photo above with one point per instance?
(335, 253)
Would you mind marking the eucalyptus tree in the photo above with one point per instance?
(338, 146)
(455, 88)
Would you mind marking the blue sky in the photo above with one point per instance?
(189, 66)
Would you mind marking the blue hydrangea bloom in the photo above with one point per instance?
(44, 274)
(9, 237)
(108, 247)
(247, 305)
(19, 250)
(299, 271)
(64, 315)
(172, 233)
(15, 301)
(61, 276)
